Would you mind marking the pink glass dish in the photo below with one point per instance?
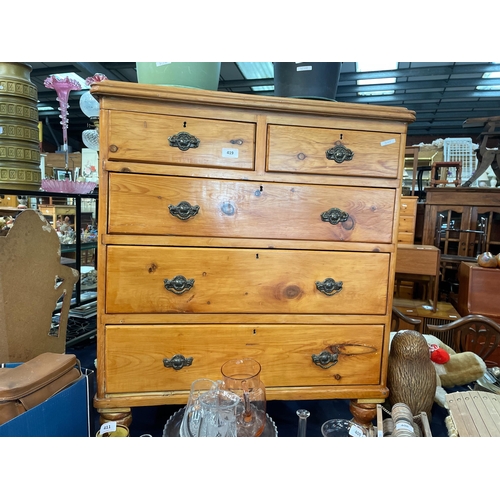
(67, 186)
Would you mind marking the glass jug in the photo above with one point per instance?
(210, 411)
(242, 377)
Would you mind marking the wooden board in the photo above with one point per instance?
(475, 413)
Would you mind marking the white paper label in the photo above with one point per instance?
(404, 426)
(355, 431)
(304, 68)
(389, 141)
(107, 427)
(162, 64)
(229, 153)
(1, 130)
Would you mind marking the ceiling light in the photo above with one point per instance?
(494, 74)
(375, 66)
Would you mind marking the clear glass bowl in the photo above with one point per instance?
(338, 427)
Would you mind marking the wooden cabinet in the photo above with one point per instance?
(462, 209)
(240, 226)
(459, 213)
(479, 293)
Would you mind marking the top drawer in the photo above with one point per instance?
(181, 140)
(408, 205)
(308, 150)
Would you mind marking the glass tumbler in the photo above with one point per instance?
(242, 377)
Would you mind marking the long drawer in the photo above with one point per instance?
(308, 150)
(149, 279)
(181, 140)
(246, 209)
(140, 358)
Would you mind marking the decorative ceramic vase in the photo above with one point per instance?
(199, 75)
(308, 80)
(19, 140)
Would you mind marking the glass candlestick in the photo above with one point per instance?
(303, 415)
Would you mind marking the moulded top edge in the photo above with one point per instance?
(110, 88)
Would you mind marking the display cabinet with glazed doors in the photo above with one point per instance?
(462, 222)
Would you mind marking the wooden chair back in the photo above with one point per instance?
(32, 282)
(474, 332)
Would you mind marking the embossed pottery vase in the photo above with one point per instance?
(19, 139)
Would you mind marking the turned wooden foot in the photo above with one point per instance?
(122, 416)
(363, 413)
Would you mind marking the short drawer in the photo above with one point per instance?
(156, 205)
(408, 206)
(308, 150)
(148, 279)
(181, 140)
(407, 224)
(136, 355)
(407, 238)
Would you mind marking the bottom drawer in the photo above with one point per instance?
(135, 354)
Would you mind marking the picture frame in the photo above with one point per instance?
(60, 174)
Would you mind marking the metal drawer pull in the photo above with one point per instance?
(183, 141)
(183, 210)
(334, 216)
(178, 285)
(329, 286)
(339, 153)
(325, 359)
(177, 362)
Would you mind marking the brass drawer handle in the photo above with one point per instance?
(178, 285)
(325, 359)
(339, 153)
(183, 210)
(177, 362)
(334, 216)
(183, 141)
(329, 286)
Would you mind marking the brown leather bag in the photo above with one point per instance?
(35, 381)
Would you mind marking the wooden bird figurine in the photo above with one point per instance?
(411, 376)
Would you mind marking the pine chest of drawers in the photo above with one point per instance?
(244, 226)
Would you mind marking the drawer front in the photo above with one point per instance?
(244, 281)
(408, 206)
(304, 150)
(139, 204)
(135, 355)
(407, 224)
(55, 211)
(407, 238)
(145, 138)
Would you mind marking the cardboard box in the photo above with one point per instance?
(66, 414)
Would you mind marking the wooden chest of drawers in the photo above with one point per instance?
(242, 226)
(407, 219)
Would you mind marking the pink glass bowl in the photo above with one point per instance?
(67, 186)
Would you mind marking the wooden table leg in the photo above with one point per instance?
(363, 413)
(121, 416)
